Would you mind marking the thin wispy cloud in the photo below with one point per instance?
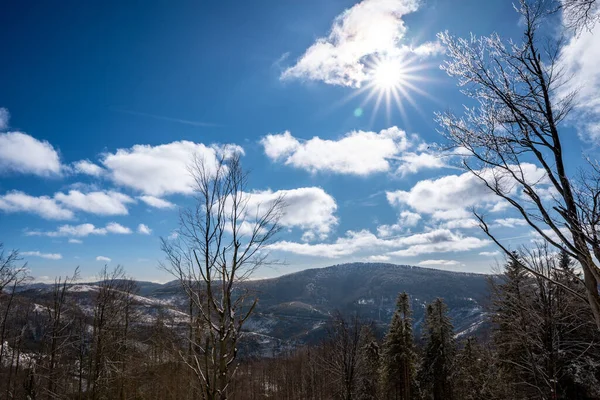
(202, 124)
(48, 256)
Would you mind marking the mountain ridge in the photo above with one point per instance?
(294, 309)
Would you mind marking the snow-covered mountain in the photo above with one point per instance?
(295, 308)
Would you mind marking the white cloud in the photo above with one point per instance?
(43, 206)
(463, 223)
(454, 243)
(156, 202)
(352, 243)
(549, 232)
(88, 168)
(173, 236)
(143, 229)
(407, 219)
(62, 205)
(162, 169)
(102, 258)
(119, 229)
(4, 118)
(49, 256)
(510, 222)
(438, 262)
(580, 58)
(82, 230)
(280, 145)
(75, 241)
(378, 258)
(451, 192)
(411, 162)
(361, 242)
(22, 153)
(357, 152)
(369, 28)
(310, 208)
(100, 203)
(489, 253)
(448, 197)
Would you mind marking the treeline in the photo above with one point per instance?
(98, 345)
(543, 345)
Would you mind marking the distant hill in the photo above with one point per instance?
(295, 308)
(296, 305)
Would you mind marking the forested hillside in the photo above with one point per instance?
(317, 334)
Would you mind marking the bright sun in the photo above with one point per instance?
(391, 80)
(388, 74)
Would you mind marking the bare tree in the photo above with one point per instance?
(10, 271)
(12, 274)
(221, 241)
(579, 14)
(108, 353)
(58, 336)
(513, 133)
(341, 354)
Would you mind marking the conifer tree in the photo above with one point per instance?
(544, 338)
(439, 355)
(398, 355)
(368, 364)
(470, 372)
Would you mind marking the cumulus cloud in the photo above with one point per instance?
(352, 243)
(62, 205)
(412, 162)
(454, 243)
(369, 29)
(43, 206)
(100, 203)
(82, 230)
(102, 258)
(156, 202)
(24, 154)
(580, 58)
(87, 167)
(406, 219)
(75, 241)
(438, 262)
(451, 192)
(356, 153)
(360, 242)
(48, 256)
(143, 229)
(163, 169)
(119, 229)
(310, 209)
(449, 197)
(280, 145)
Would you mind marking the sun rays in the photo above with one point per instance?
(392, 82)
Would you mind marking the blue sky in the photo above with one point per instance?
(103, 103)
